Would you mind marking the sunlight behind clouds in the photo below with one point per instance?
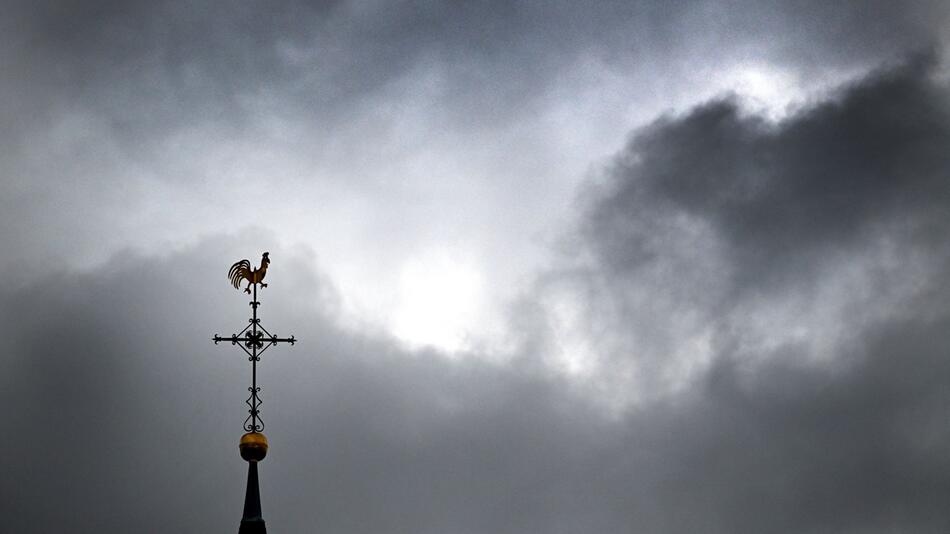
(776, 92)
(441, 297)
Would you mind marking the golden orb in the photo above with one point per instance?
(253, 446)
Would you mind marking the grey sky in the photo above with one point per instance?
(452, 130)
(638, 266)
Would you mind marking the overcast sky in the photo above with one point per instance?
(646, 267)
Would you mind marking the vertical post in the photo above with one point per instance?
(254, 400)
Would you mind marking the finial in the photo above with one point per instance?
(253, 446)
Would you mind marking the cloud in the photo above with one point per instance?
(718, 231)
(123, 416)
(127, 416)
(382, 135)
(153, 105)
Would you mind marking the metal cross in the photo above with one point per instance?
(254, 339)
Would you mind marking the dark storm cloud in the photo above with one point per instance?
(122, 416)
(722, 229)
(783, 197)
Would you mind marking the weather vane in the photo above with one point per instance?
(254, 339)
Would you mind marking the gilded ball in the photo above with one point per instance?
(253, 446)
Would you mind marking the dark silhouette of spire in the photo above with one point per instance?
(252, 522)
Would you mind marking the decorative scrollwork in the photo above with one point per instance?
(254, 423)
(254, 340)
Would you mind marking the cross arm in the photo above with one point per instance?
(235, 339)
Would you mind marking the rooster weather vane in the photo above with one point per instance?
(254, 339)
(241, 270)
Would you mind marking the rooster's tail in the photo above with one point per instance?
(239, 270)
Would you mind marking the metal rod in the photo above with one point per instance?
(254, 364)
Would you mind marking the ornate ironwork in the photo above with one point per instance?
(254, 339)
(254, 402)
